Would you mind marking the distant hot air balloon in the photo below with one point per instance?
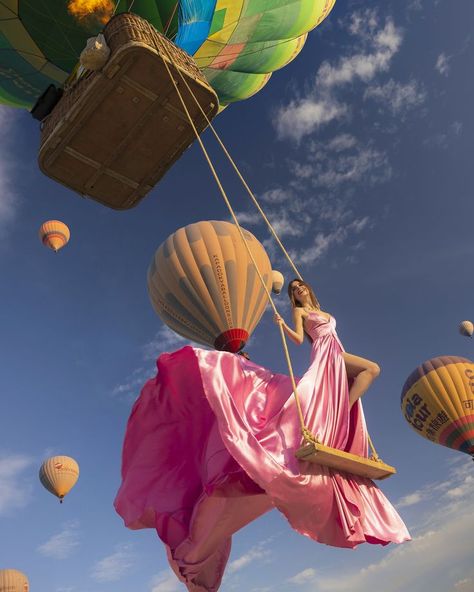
(438, 402)
(12, 580)
(203, 285)
(59, 475)
(466, 328)
(277, 281)
(54, 234)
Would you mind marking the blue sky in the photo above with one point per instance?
(361, 153)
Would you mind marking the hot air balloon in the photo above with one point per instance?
(12, 580)
(54, 234)
(203, 285)
(59, 474)
(112, 134)
(438, 402)
(466, 328)
(277, 281)
(236, 43)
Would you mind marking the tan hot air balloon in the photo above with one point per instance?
(466, 328)
(59, 474)
(277, 281)
(203, 285)
(12, 580)
(54, 234)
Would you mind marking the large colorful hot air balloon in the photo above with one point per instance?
(12, 580)
(54, 234)
(203, 285)
(59, 474)
(438, 402)
(236, 43)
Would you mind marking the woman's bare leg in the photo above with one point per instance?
(363, 372)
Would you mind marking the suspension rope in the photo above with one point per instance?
(304, 429)
(307, 434)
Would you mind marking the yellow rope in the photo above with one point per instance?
(307, 434)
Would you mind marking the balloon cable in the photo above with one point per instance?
(307, 435)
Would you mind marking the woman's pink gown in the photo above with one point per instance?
(210, 446)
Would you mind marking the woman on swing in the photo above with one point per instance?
(211, 445)
(320, 327)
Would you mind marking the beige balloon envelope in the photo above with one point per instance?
(203, 285)
(12, 580)
(466, 328)
(59, 474)
(277, 281)
(54, 234)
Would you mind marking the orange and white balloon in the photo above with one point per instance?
(59, 474)
(203, 285)
(12, 580)
(54, 234)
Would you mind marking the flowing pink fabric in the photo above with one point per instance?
(210, 446)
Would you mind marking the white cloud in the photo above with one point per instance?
(362, 164)
(438, 557)
(8, 195)
(114, 566)
(15, 492)
(410, 499)
(442, 64)
(303, 577)
(62, 544)
(303, 115)
(397, 96)
(165, 340)
(165, 581)
(323, 242)
(257, 553)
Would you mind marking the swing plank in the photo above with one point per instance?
(344, 461)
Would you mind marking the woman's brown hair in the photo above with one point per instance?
(291, 296)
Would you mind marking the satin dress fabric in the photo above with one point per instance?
(210, 446)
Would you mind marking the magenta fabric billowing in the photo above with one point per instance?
(210, 445)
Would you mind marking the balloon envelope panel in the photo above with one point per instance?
(12, 580)
(203, 284)
(438, 402)
(237, 43)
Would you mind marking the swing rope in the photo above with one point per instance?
(307, 434)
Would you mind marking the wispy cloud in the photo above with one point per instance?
(303, 577)
(377, 44)
(165, 340)
(398, 97)
(427, 562)
(114, 566)
(445, 138)
(324, 241)
(62, 544)
(259, 552)
(442, 64)
(165, 581)
(15, 491)
(8, 195)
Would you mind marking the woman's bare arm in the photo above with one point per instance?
(296, 335)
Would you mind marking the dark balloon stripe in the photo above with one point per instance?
(428, 367)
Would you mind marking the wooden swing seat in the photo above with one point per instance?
(115, 132)
(344, 461)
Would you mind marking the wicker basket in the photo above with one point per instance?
(116, 132)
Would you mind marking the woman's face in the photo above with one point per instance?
(300, 292)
